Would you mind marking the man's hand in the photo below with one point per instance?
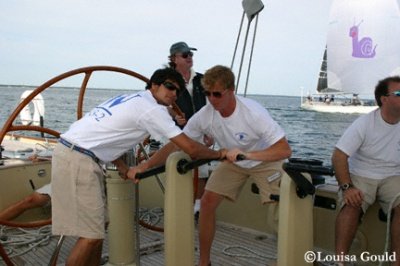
(232, 155)
(131, 173)
(180, 120)
(353, 197)
(122, 169)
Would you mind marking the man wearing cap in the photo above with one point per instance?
(193, 98)
(190, 100)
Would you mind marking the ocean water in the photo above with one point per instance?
(311, 135)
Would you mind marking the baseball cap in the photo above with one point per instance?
(180, 47)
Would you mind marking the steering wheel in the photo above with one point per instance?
(87, 71)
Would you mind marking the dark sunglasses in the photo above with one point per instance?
(394, 93)
(171, 87)
(216, 94)
(186, 54)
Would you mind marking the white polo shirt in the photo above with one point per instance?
(249, 128)
(373, 146)
(118, 124)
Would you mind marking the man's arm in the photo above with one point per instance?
(341, 166)
(351, 196)
(278, 151)
(193, 148)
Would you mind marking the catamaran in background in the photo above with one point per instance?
(362, 48)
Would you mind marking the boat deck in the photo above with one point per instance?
(232, 246)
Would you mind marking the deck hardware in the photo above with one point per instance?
(42, 173)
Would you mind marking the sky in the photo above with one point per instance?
(40, 39)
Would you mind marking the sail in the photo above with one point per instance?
(322, 79)
(363, 44)
(322, 85)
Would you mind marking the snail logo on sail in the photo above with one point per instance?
(361, 48)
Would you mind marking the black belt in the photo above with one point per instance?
(79, 149)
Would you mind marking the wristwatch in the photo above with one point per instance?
(346, 186)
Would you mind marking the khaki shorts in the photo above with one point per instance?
(78, 200)
(383, 191)
(228, 179)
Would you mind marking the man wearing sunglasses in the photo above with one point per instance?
(192, 97)
(189, 101)
(104, 135)
(245, 128)
(367, 166)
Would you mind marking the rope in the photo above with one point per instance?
(388, 223)
(150, 218)
(250, 253)
(18, 241)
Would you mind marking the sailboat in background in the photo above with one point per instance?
(362, 48)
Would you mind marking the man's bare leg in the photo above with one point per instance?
(346, 228)
(200, 188)
(209, 204)
(34, 200)
(200, 191)
(395, 234)
(86, 252)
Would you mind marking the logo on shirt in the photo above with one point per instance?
(241, 136)
(104, 109)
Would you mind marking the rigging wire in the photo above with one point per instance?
(252, 8)
(251, 56)
(237, 40)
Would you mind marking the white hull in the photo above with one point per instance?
(336, 107)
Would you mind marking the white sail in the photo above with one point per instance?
(363, 44)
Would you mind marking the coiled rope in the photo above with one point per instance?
(18, 241)
(150, 218)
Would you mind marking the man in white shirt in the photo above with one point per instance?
(104, 134)
(367, 166)
(243, 126)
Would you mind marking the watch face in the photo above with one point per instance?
(345, 186)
